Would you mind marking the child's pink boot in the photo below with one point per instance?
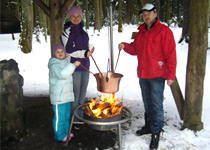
(71, 136)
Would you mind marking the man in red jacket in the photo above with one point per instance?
(155, 48)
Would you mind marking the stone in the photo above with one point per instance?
(11, 98)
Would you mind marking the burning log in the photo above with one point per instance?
(102, 105)
(106, 107)
(89, 111)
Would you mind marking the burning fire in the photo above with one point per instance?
(104, 107)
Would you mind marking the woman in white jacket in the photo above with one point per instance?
(61, 91)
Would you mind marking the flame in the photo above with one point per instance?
(104, 107)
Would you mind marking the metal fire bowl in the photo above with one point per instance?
(123, 120)
(109, 83)
(103, 127)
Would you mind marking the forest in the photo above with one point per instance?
(96, 13)
(46, 17)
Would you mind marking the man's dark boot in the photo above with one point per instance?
(155, 141)
(144, 130)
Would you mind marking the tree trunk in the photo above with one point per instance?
(27, 26)
(143, 2)
(97, 19)
(55, 12)
(158, 8)
(101, 14)
(119, 16)
(136, 10)
(185, 26)
(178, 10)
(168, 11)
(56, 22)
(128, 11)
(196, 64)
(105, 7)
(48, 19)
(87, 14)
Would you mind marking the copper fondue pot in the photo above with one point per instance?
(107, 86)
(110, 86)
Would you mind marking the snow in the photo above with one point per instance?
(33, 67)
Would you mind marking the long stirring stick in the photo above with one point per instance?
(117, 61)
(97, 66)
(86, 69)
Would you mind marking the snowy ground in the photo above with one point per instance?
(33, 67)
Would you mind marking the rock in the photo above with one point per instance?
(11, 98)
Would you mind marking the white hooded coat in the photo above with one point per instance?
(60, 81)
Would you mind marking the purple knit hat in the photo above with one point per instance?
(74, 10)
(56, 47)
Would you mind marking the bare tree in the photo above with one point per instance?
(168, 11)
(97, 18)
(87, 14)
(185, 27)
(143, 2)
(128, 11)
(196, 64)
(101, 14)
(27, 26)
(178, 11)
(55, 11)
(119, 15)
(158, 7)
(104, 6)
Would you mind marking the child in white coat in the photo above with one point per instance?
(61, 91)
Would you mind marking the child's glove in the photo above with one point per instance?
(77, 63)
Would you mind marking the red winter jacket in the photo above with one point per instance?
(156, 52)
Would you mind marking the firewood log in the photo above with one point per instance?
(90, 113)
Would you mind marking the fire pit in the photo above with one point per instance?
(103, 109)
(103, 127)
(125, 116)
(103, 113)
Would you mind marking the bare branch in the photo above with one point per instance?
(43, 6)
(65, 7)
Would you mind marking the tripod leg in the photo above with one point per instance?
(70, 128)
(120, 136)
